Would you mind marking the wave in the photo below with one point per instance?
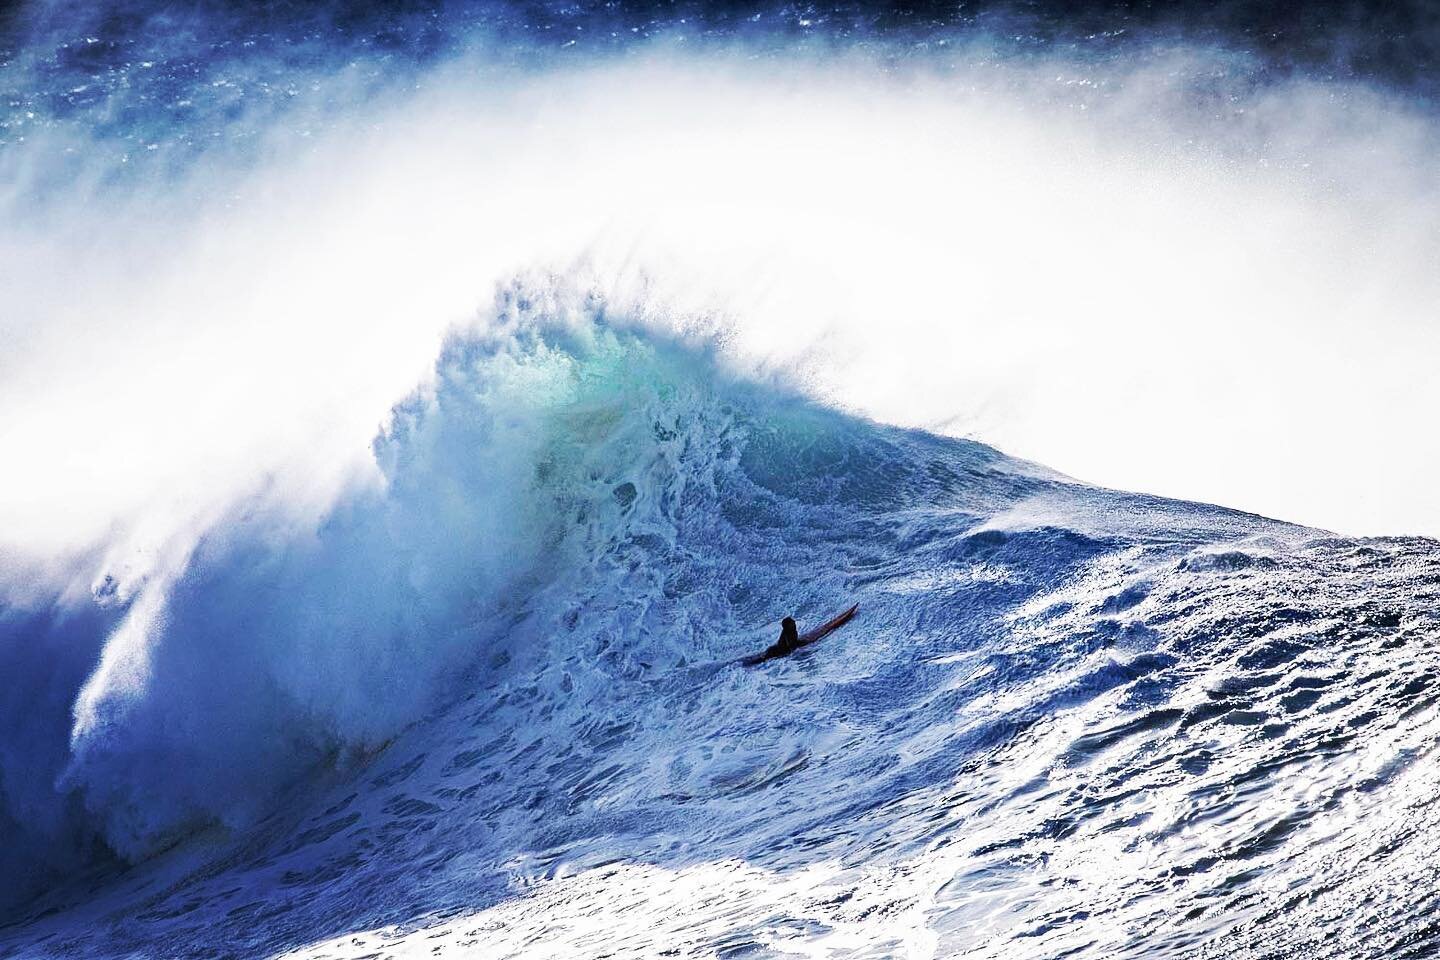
(477, 682)
(564, 466)
(502, 680)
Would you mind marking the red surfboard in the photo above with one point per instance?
(805, 639)
(810, 636)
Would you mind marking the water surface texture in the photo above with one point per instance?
(417, 413)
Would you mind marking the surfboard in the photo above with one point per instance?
(805, 639)
(810, 636)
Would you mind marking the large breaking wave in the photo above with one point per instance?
(266, 692)
(561, 465)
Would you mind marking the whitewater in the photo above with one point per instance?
(412, 420)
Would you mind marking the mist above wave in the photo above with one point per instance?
(1162, 268)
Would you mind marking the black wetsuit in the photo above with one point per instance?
(788, 643)
(791, 639)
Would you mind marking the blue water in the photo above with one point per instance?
(490, 706)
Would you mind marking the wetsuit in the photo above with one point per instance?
(788, 643)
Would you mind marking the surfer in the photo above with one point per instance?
(791, 640)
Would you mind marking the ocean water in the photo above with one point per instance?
(416, 631)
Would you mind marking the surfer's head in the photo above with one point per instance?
(788, 633)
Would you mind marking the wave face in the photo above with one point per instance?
(1066, 719)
